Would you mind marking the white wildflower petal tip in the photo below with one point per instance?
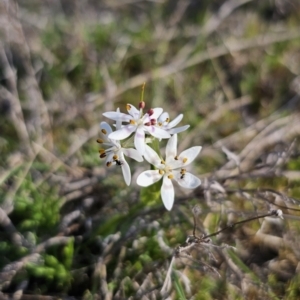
(175, 121)
(190, 154)
(157, 112)
(133, 153)
(122, 133)
(148, 177)
(126, 172)
(167, 193)
(178, 129)
(188, 180)
(117, 116)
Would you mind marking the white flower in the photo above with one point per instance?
(138, 123)
(114, 154)
(164, 123)
(172, 168)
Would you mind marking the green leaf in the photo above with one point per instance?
(178, 287)
(150, 195)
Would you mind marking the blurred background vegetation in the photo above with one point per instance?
(69, 227)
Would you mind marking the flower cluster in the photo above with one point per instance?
(138, 129)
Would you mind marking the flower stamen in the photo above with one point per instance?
(182, 172)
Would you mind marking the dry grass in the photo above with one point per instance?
(70, 228)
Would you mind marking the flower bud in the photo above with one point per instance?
(150, 112)
(142, 105)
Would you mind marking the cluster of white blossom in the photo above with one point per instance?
(141, 128)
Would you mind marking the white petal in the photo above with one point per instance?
(139, 140)
(146, 119)
(133, 111)
(167, 193)
(163, 117)
(188, 181)
(174, 164)
(106, 128)
(109, 157)
(157, 132)
(174, 122)
(133, 153)
(178, 129)
(190, 154)
(117, 116)
(118, 122)
(156, 112)
(126, 171)
(148, 177)
(122, 133)
(171, 148)
(152, 157)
